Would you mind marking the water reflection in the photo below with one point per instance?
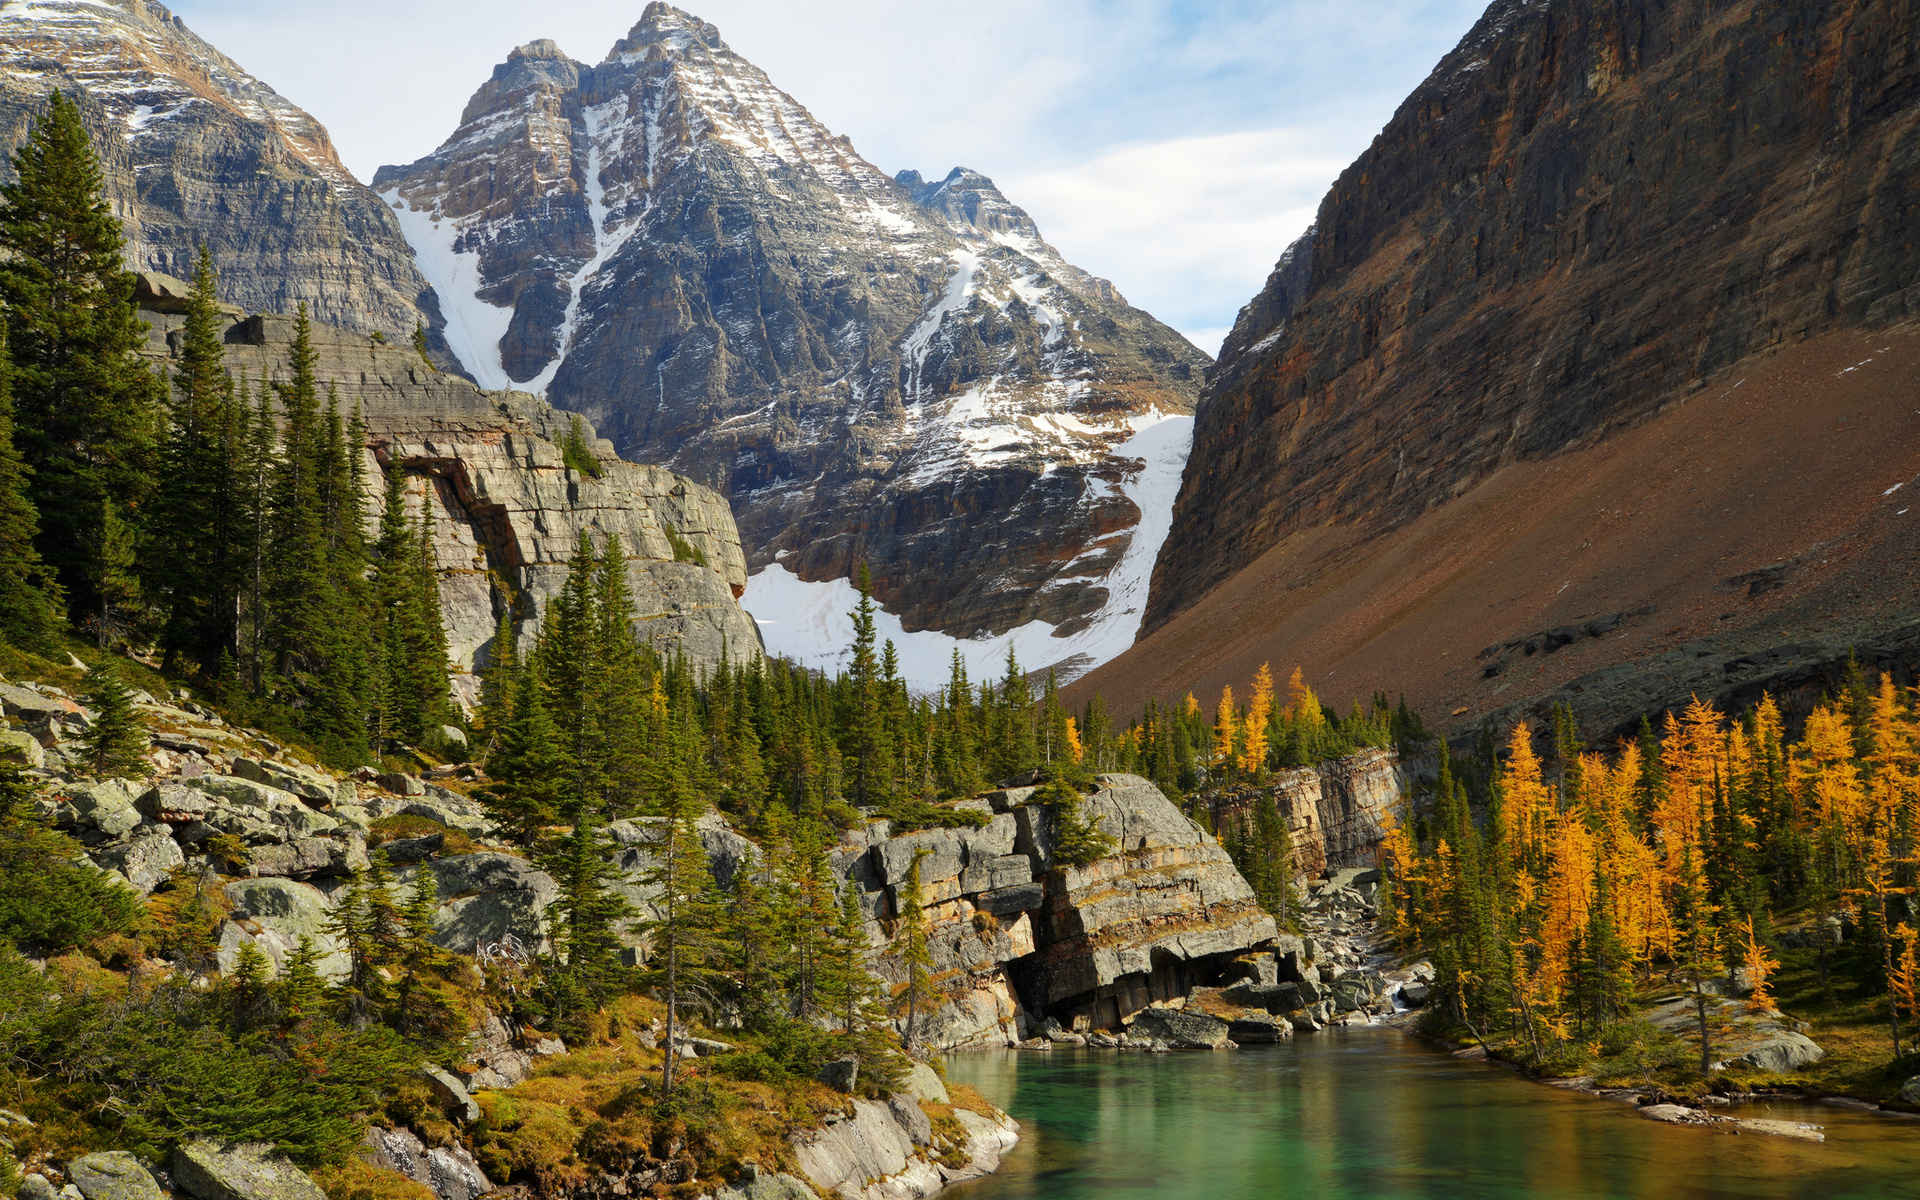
(1372, 1113)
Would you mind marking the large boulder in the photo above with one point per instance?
(250, 1171)
(1910, 1091)
(274, 914)
(247, 793)
(923, 1084)
(1180, 1029)
(145, 861)
(113, 1175)
(21, 749)
(1783, 1052)
(485, 897)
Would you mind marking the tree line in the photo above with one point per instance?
(217, 520)
(1588, 875)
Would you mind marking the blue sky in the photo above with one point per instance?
(1174, 147)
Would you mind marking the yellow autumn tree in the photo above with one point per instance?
(1259, 710)
(1224, 727)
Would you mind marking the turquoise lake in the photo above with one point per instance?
(1372, 1112)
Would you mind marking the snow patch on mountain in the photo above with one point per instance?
(474, 327)
(812, 624)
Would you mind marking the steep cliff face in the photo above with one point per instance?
(507, 511)
(1017, 937)
(1337, 813)
(1586, 214)
(901, 373)
(198, 152)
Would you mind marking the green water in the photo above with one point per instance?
(1374, 1113)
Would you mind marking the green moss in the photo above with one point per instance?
(683, 550)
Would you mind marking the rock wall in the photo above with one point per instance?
(1017, 938)
(1587, 212)
(507, 511)
(1335, 811)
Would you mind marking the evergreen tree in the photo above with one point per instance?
(527, 766)
(85, 405)
(867, 747)
(297, 599)
(684, 930)
(115, 743)
(196, 532)
(422, 1006)
(590, 917)
(498, 677)
(918, 996)
(856, 999)
(30, 598)
(1076, 840)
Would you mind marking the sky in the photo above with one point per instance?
(1175, 147)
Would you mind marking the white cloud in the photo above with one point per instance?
(1185, 223)
(1173, 146)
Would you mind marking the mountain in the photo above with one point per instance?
(874, 370)
(197, 151)
(1608, 332)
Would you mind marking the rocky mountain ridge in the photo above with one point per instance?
(895, 372)
(507, 509)
(1494, 279)
(196, 152)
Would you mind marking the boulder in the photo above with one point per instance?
(113, 1175)
(250, 1171)
(907, 1113)
(1271, 997)
(401, 785)
(451, 1172)
(300, 858)
(1008, 901)
(452, 1093)
(923, 1084)
(1415, 994)
(274, 914)
(21, 748)
(840, 1075)
(176, 805)
(766, 1187)
(1179, 1029)
(145, 861)
(246, 793)
(1783, 1053)
(30, 705)
(1910, 1091)
(414, 849)
(37, 1187)
(485, 897)
(1263, 1027)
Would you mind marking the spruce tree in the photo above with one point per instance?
(30, 598)
(196, 531)
(527, 766)
(685, 926)
(589, 919)
(497, 678)
(856, 998)
(622, 683)
(85, 405)
(867, 746)
(918, 996)
(115, 743)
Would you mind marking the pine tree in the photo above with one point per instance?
(115, 743)
(1076, 840)
(422, 1005)
(297, 591)
(855, 996)
(85, 405)
(301, 990)
(30, 599)
(868, 748)
(498, 677)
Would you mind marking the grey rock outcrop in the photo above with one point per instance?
(274, 914)
(900, 372)
(1093, 944)
(251, 1171)
(197, 152)
(1180, 1029)
(1336, 812)
(450, 1172)
(872, 1155)
(113, 1175)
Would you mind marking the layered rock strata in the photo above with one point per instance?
(901, 373)
(507, 511)
(1337, 813)
(197, 152)
(1586, 213)
(1018, 938)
